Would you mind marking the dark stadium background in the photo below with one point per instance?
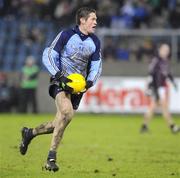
(130, 32)
(98, 143)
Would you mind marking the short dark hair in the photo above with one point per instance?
(83, 12)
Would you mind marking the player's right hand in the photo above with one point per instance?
(63, 82)
(59, 76)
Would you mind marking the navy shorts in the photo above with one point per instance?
(75, 99)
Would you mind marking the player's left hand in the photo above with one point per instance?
(89, 84)
(59, 76)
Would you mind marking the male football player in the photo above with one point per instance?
(74, 50)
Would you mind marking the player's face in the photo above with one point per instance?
(89, 24)
(164, 51)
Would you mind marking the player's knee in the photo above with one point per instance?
(67, 112)
(166, 115)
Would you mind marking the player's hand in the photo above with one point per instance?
(89, 84)
(63, 82)
(59, 76)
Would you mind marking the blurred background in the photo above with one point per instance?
(130, 32)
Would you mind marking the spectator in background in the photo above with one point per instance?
(109, 50)
(122, 50)
(172, 4)
(106, 9)
(146, 49)
(141, 14)
(29, 83)
(62, 12)
(4, 7)
(15, 96)
(156, 6)
(174, 17)
(9, 95)
(5, 94)
(127, 12)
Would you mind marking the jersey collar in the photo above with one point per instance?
(81, 35)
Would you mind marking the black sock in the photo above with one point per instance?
(144, 126)
(172, 126)
(30, 133)
(52, 155)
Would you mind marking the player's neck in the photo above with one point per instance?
(83, 30)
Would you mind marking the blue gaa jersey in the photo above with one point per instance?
(74, 52)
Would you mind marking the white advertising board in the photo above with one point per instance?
(123, 95)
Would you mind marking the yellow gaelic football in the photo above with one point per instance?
(78, 82)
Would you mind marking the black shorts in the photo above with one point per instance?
(155, 94)
(75, 99)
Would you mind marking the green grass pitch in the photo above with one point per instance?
(94, 146)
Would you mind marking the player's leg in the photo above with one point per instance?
(148, 116)
(64, 115)
(46, 128)
(29, 133)
(167, 116)
(26, 133)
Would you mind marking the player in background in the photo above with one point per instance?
(74, 50)
(158, 89)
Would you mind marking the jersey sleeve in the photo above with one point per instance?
(49, 57)
(52, 54)
(95, 65)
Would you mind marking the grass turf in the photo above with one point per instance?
(94, 146)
